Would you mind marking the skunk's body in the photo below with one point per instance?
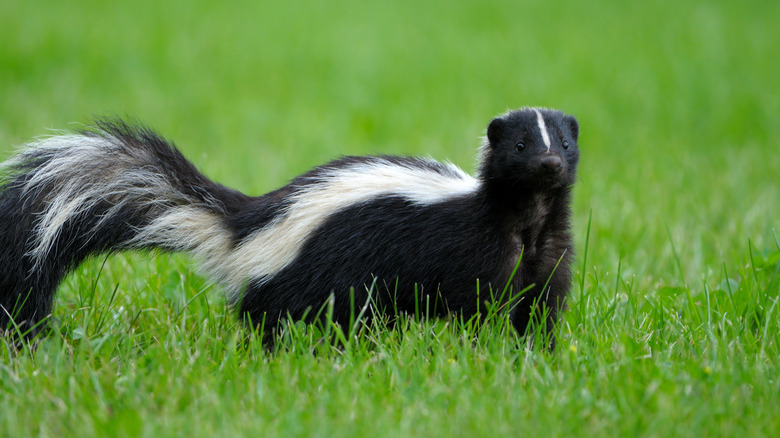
(422, 233)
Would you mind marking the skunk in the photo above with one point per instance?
(401, 232)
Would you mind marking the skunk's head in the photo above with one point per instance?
(531, 148)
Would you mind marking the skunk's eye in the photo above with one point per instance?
(565, 144)
(520, 146)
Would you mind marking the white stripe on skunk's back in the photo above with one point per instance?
(379, 177)
(276, 245)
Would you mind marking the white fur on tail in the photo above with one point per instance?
(85, 170)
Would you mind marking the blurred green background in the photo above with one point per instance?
(678, 103)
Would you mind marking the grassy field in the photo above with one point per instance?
(674, 325)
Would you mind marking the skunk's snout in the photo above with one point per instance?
(551, 163)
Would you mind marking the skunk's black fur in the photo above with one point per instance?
(420, 231)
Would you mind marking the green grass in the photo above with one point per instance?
(674, 325)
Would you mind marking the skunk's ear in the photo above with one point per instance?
(573, 126)
(495, 131)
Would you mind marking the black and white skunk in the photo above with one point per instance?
(410, 231)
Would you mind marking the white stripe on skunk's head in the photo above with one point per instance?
(542, 129)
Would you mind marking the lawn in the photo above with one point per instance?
(673, 326)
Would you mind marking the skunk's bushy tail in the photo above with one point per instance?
(115, 186)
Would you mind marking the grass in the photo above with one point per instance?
(673, 327)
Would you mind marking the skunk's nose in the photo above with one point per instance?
(551, 163)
